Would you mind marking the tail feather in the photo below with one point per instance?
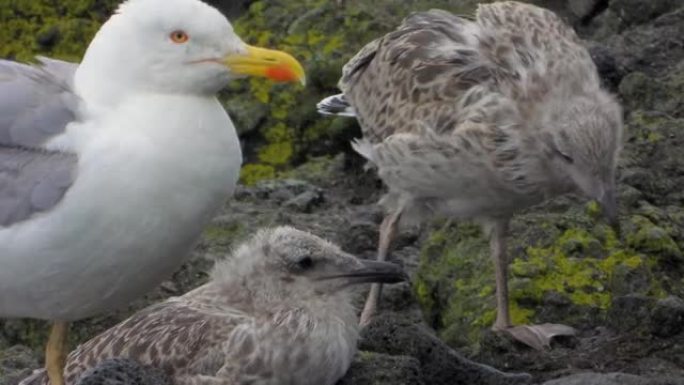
(336, 105)
(365, 148)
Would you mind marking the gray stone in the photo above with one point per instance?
(306, 201)
(282, 190)
(391, 334)
(630, 312)
(640, 11)
(582, 8)
(361, 236)
(654, 48)
(667, 318)
(15, 364)
(605, 64)
(382, 369)
(612, 379)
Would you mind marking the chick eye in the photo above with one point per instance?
(179, 36)
(305, 263)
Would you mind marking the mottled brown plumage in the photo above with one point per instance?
(278, 312)
(482, 118)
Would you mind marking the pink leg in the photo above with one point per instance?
(536, 336)
(388, 230)
(497, 244)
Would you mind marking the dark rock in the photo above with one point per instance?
(629, 196)
(656, 241)
(122, 371)
(231, 8)
(630, 312)
(283, 190)
(440, 364)
(47, 39)
(247, 114)
(652, 156)
(306, 201)
(664, 95)
(584, 8)
(381, 369)
(361, 236)
(667, 318)
(399, 299)
(652, 48)
(639, 11)
(15, 364)
(611, 379)
(606, 64)
(655, 366)
(603, 26)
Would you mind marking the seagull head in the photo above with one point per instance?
(283, 264)
(586, 145)
(175, 46)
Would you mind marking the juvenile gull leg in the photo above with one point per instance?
(388, 230)
(536, 336)
(497, 244)
(56, 352)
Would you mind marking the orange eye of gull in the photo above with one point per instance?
(179, 37)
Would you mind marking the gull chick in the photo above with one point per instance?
(277, 312)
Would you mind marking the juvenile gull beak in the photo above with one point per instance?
(275, 65)
(609, 209)
(373, 272)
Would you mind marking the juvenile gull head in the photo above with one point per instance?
(277, 312)
(285, 264)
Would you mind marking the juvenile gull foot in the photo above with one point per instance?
(538, 336)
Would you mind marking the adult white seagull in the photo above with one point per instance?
(110, 169)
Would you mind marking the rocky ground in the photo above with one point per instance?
(623, 294)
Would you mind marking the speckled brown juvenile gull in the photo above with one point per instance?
(479, 119)
(278, 312)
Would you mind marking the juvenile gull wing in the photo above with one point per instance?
(418, 72)
(536, 50)
(197, 342)
(175, 336)
(36, 101)
(436, 65)
(32, 181)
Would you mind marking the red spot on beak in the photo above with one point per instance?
(280, 74)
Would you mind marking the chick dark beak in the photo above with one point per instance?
(373, 272)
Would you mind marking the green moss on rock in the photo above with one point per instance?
(56, 29)
(568, 268)
(220, 236)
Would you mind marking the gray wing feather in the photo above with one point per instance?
(36, 101)
(168, 336)
(32, 181)
(418, 72)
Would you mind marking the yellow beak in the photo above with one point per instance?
(276, 65)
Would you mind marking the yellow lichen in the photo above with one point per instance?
(585, 265)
